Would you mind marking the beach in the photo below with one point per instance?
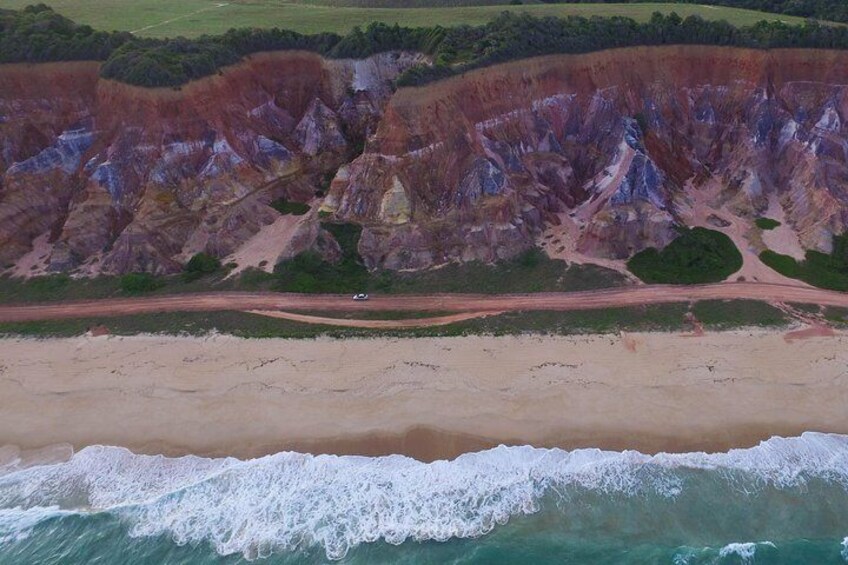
(429, 398)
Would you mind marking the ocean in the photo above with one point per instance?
(783, 501)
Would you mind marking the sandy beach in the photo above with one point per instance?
(428, 398)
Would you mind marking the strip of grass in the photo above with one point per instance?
(836, 315)
(61, 287)
(818, 269)
(661, 317)
(193, 18)
(766, 223)
(697, 255)
(728, 314)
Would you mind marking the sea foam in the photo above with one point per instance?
(745, 551)
(289, 501)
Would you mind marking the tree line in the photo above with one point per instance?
(833, 10)
(515, 36)
(38, 34)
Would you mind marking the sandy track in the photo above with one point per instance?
(378, 324)
(588, 300)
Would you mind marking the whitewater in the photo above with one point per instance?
(746, 505)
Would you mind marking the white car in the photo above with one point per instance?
(360, 296)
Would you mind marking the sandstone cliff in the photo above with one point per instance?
(592, 156)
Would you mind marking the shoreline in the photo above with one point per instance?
(428, 398)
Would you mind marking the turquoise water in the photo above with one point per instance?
(784, 501)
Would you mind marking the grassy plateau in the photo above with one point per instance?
(191, 18)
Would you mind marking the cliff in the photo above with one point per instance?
(593, 157)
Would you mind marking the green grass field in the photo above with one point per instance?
(190, 18)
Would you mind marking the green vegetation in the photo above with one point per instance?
(200, 265)
(664, 317)
(39, 34)
(806, 308)
(766, 223)
(836, 316)
(533, 271)
(696, 256)
(36, 34)
(139, 283)
(818, 269)
(193, 18)
(727, 314)
(308, 272)
(835, 10)
(284, 207)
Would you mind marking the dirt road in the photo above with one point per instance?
(615, 297)
(376, 324)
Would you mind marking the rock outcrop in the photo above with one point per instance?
(624, 144)
(131, 179)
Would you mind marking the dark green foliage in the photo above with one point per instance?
(696, 256)
(139, 283)
(726, 314)
(379, 37)
(284, 207)
(308, 272)
(167, 63)
(422, 74)
(36, 34)
(199, 265)
(766, 223)
(818, 269)
(515, 36)
(531, 271)
(833, 10)
(50, 285)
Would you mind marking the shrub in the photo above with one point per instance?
(818, 269)
(203, 263)
(697, 255)
(139, 283)
(308, 272)
(766, 223)
(199, 265)
(38, 34)
(285, 207)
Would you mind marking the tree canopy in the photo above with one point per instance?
(38, 34)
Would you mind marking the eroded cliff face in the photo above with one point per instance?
(620, 145)
(111, 178)
(594, 157)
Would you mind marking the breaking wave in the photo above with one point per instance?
(291, 501)
(746, 551)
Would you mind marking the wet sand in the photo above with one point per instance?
(428, 397)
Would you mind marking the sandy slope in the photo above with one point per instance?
(224, 395)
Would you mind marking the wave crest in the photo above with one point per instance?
(292, 500)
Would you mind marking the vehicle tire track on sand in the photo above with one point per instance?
(469, 303)
(376, 324)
